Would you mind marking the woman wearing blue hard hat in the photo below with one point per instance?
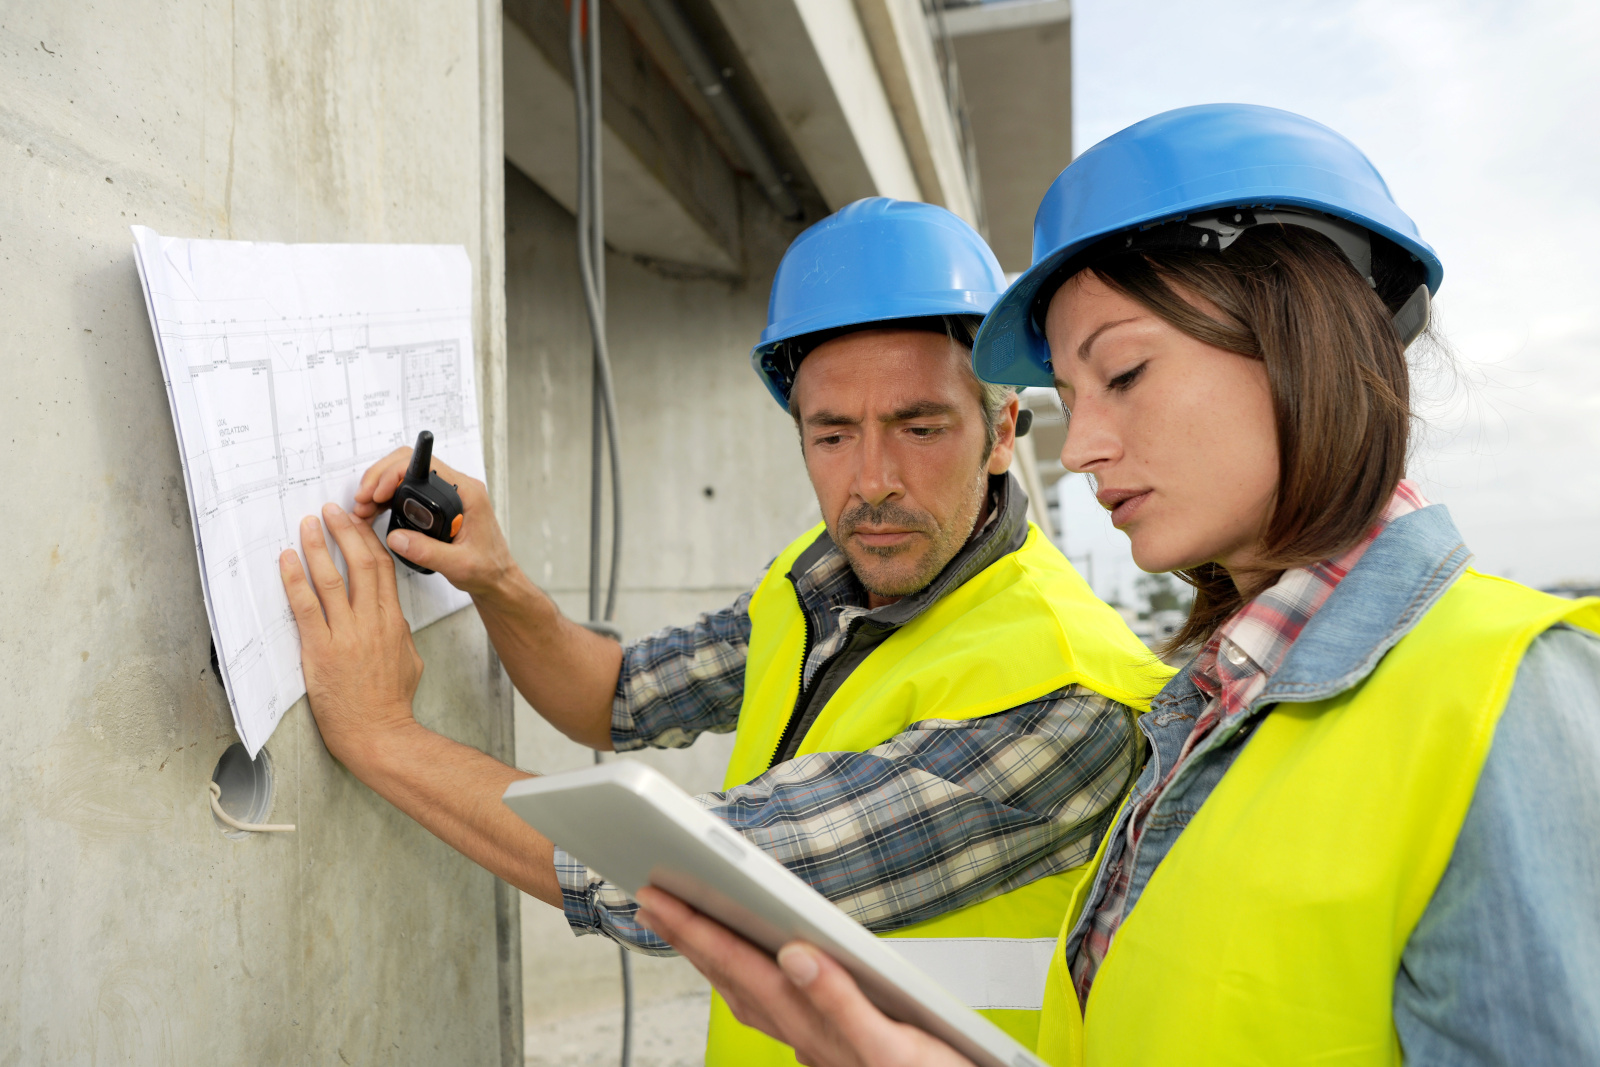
(1368, 827)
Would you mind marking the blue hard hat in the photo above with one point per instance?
(1197, 177)
(875, 260)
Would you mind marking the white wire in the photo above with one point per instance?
(249, 827)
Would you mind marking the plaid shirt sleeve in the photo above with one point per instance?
(683, 681)
(940, 816)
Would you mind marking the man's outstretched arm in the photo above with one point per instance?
(362, 670)
(567, 673)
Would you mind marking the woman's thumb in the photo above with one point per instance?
(828, 985)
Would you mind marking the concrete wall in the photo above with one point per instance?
(131, 929)
(713, 487)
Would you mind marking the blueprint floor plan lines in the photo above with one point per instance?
(291, 369)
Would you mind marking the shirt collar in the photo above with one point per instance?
(1402, 574)
(1250, 647)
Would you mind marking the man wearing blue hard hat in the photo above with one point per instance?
(1367, 831)
(933, 711)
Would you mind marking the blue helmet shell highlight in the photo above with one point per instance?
(875, 260)
(1172, 165)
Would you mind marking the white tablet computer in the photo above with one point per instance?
(628, 822)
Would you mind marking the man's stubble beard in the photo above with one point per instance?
(875, 568)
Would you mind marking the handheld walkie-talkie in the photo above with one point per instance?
(425, 502)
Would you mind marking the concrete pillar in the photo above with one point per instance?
(131, 929)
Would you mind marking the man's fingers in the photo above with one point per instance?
(324, 575)
(368, 490)
(365, 508)
(302, 600)
(380, 480)
(663, 904)
(358, 561)
(733, 965)
(429, 552)
(387, 591)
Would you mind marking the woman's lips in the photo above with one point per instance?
(1123, 503)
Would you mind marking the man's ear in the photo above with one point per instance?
(1005, 437)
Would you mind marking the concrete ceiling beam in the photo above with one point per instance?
(905, 52)
(1007, 15)
(670, 194)
(814, 64)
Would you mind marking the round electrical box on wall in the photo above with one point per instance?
(246, 786)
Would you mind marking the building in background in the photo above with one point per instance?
(134, 930)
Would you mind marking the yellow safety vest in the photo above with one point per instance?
(1272, 932)
(1023, 627)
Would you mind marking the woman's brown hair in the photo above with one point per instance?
(1337, 373)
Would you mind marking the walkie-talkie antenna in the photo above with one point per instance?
(421, 458)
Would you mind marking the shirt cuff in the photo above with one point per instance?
(593, 905)
(624, 735)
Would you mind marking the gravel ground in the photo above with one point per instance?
(667, 1033)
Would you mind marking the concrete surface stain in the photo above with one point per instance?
(89, 775)
(131, 1023)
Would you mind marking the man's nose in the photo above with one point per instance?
(877, 474)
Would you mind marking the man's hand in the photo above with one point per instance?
(362, 671)
(566, 672)
(478, 561)
(804, 999)
(361, 666)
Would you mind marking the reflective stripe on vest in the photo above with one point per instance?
(984, 972)
(1272, 931)
(1022, 628)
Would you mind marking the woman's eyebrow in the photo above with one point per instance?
(1088, 342)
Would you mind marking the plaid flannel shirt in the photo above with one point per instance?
(1231, 668)
(940, 816)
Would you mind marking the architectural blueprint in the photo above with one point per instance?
(290, 370)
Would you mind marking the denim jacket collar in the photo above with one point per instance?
(1405, 571)
(1395, 582)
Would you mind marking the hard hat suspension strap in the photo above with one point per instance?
(1217, 231)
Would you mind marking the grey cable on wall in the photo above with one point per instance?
(603, 400)
(591, 268)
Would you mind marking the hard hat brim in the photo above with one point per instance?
(907, 306)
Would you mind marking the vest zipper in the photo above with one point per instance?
(805, 692)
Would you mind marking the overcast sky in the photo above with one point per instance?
(1485, 120)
